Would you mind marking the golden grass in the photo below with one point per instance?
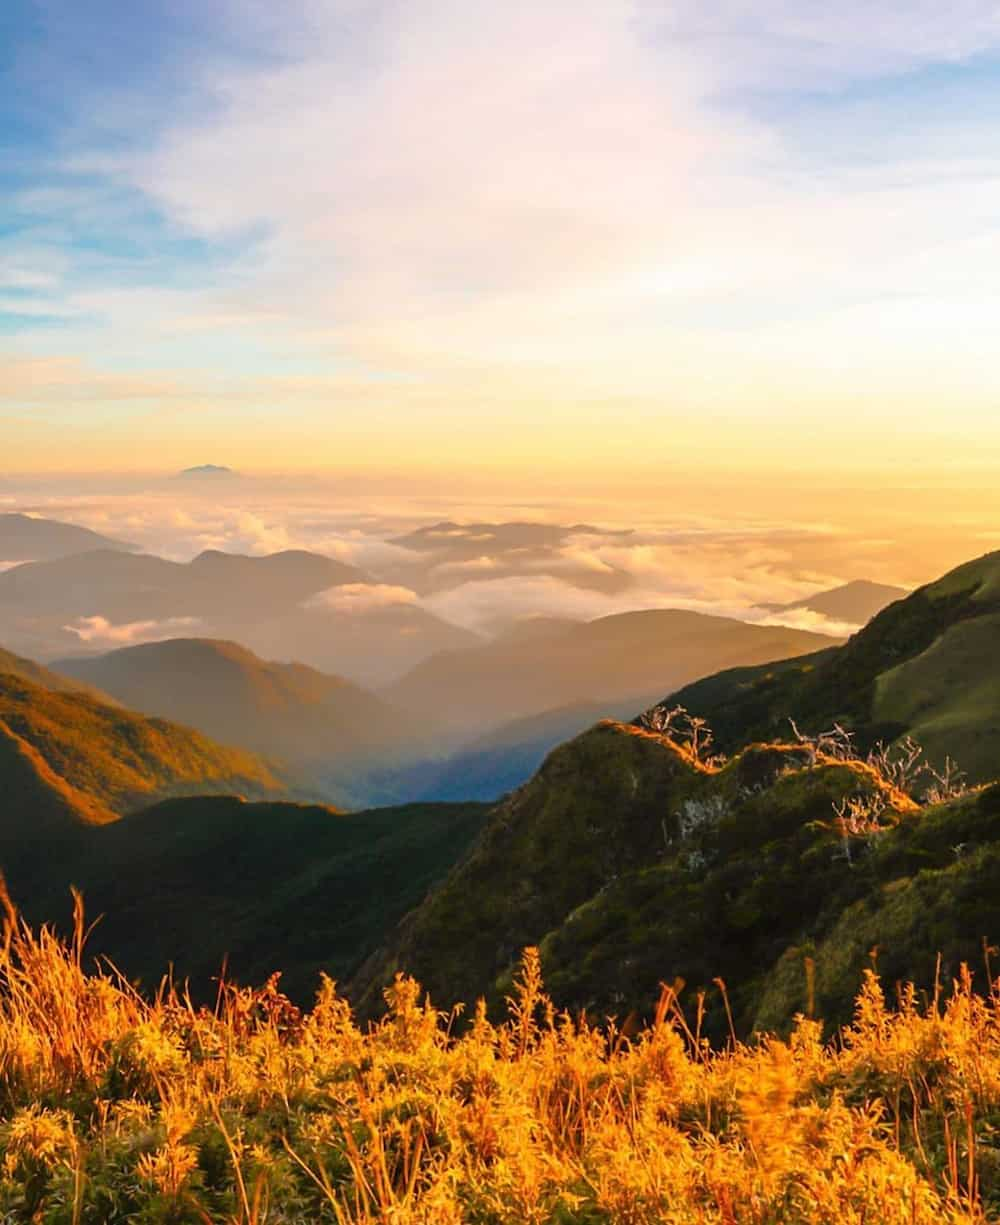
(114, 1108)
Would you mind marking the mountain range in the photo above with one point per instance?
(562, 663)
(630, 860)
(354, 747)
(85, 603)
(149, 818)
(329, 730)
(31, 538)
(630, 857)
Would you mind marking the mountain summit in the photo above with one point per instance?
(209, 470)
(855, 602)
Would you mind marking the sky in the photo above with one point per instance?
(603, 244)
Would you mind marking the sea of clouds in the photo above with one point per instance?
(477, 579)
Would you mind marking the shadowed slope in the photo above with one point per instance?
(265, 886)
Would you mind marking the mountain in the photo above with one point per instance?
(330, 615)
(373, 644)
(631, 863)
(28, 538)
(207, 470)
(28, 670)
(323, 724)
(926, 666)
(55, 607)
(263, 886)
(126, 587)
(68, 760)
(611, 659)
(854, 603)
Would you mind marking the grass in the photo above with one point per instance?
(922, 666)
(115, 1108)
(949, 695)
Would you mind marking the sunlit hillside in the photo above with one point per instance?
(121, 1110)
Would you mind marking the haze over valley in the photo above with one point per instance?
(412, 646)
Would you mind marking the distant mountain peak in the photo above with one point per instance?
(208, 470)
(854, 602)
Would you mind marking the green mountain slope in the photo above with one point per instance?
(37, 674)
(267, 886)
(106, 761)
(630, 864)
(927, 666)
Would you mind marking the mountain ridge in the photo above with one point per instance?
(116, 759)
(611, 658)
(630, 862)
(912, 670)
(854, 602)
(27, 538)
(327, 728)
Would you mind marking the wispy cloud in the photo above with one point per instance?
(98, 632)
(611, 221)
(360, 598)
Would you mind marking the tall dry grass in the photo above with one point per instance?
(115, 1108)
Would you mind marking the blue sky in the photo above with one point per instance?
(337, 233)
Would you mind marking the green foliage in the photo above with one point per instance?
(265, 887)
(925, 666)
(119, 759)
(630, 864)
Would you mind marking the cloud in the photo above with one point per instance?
(807, 619)
(675, 555)
(488, 604)
(55, 380)
(362, 597)
(100, 632)
(553, 220)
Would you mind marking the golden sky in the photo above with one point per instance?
(579, 242)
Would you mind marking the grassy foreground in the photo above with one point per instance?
(114, 1109)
